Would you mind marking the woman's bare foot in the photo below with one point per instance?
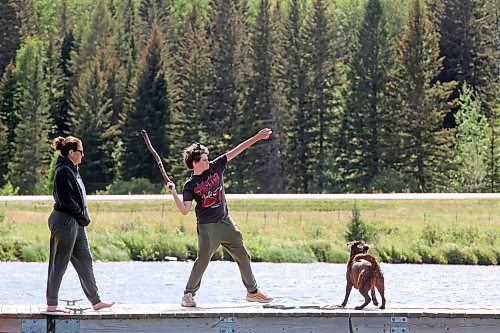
(55, 308)
(102, 305)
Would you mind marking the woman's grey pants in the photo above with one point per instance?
(210, 237)
(68, 242)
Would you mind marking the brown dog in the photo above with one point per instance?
(363, 273)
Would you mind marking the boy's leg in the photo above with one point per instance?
(208, 242)
(82, 262)
(233, 243)
(63, 231)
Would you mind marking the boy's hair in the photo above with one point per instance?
(193, 154)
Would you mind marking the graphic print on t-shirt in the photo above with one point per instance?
(210, 191)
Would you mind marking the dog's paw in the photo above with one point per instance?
(375, 302)
(382, 307)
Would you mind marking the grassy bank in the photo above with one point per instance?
(430, 231)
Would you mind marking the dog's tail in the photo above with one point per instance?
(367, 257)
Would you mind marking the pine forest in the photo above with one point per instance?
(362, 96)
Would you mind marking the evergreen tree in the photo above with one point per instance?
(116, 75)
(60, 117)
(27, 17)
(227, 43)
(32, 147)
(472, 144)
(293, 78)
(9, 115)
(469, 44)
(319, 54)
(9, 34)
(189, 100)
(90, 115)
(95, 35)
(261, 165)
(361, 148)
(157, 12)
(148, 109)
(55, 84)
(424, 102)
(3, 153)
(125, 41)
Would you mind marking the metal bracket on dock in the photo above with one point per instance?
(399, 319)
(228, 330)
(400, 330)
(227, 319)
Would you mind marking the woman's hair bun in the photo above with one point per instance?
(58, 143)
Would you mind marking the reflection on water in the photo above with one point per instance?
(164, 282)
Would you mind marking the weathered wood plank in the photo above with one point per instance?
(257, 319)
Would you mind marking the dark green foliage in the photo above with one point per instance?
(90, 116)
(473, 138)
(133, 186)
(262, 165)
(3, 153)
(469, 44)
(125, 41)
(390, 180)
(357, 229)
(9, 34)
(345, 116)
(423, 103)
(189, 95)
(364, 122)
(293, 78)
(9, 118)
(147, 109)
(60, 117)
(55, 80)
(321, 85)
(31, 155)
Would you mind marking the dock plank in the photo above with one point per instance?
(249, 317)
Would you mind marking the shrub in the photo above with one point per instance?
(429, 254)
(433, 235)
(35, 252)
(133, 186)
(465, 235)
(459, 255)
(10, 248)
(109, 252)
(485, 256)
(9, 189)
(357, 229)
(390, 180)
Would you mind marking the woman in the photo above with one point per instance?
(67, 222)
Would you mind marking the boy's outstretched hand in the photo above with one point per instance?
(264, 134)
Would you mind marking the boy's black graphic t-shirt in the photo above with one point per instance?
(207, 190)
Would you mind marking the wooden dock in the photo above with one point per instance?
(234, 318)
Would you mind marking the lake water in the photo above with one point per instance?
(319, 283)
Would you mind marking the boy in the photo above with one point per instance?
(214, 225)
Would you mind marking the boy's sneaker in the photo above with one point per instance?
(258, 297)
(188, 300)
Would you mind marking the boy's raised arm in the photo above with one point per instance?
(262, 135)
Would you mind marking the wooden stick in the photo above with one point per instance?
(156, 156)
